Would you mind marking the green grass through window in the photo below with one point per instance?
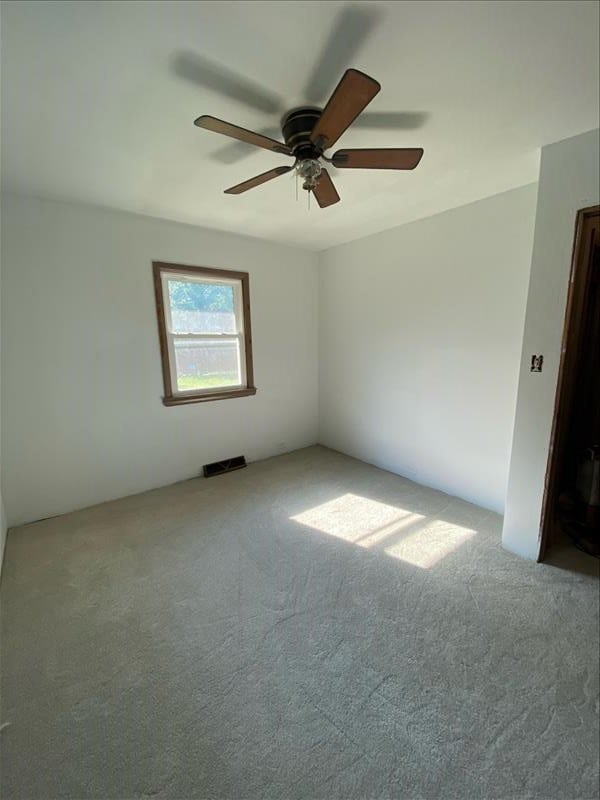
(187, 382)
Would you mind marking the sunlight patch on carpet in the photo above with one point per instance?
(427, 546)
(399, 532)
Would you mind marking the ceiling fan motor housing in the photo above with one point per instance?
(296, 126)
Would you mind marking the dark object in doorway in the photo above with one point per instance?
(578, 509)
(219, 467)
(572, 520)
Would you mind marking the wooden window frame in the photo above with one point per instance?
(174, 398)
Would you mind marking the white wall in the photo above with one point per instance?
(2, 514)
(420, 336)
(569, 180)
(82, 387)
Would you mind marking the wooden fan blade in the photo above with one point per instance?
(325, 191)
(234, 151)
(350, 30)
(392, 120)
(218, 78)
(352, 94)
(256, 181)
(227, 129)
(390, 158)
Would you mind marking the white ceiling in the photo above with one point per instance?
(98, 101)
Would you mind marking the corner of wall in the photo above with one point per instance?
(320, 304)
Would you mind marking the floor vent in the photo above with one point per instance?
(219, 467)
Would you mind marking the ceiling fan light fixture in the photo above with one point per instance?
(309, 169)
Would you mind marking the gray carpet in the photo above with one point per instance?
(310, 627)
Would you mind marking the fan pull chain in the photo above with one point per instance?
(296, 187)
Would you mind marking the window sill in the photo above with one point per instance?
(181, 400)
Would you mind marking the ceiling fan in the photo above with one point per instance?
(309, 131)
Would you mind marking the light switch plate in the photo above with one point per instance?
(536, 363)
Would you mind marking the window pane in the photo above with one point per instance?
(206, 363)
(201, 307)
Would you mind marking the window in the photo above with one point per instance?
(204, 332)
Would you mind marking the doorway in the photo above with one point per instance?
(571, 504)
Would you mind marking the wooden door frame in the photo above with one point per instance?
(587, 228)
